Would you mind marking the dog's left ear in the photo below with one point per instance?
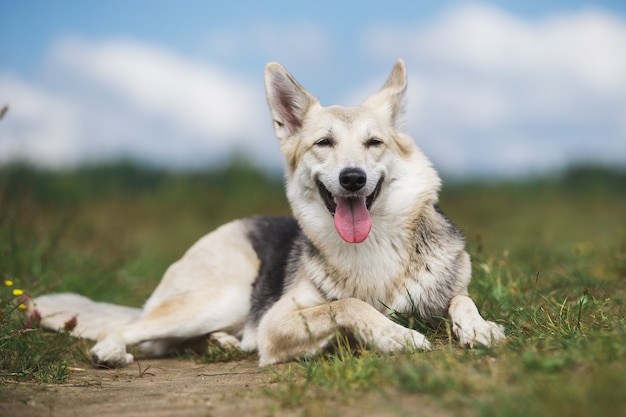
(390, 99)
(287, 99)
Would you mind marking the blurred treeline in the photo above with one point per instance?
(96, 229)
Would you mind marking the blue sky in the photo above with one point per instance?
(495, 88)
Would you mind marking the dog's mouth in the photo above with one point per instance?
(351, 214)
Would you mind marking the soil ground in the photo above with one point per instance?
(166, 387)
(175, 387)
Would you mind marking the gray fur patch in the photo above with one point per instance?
(272, 239)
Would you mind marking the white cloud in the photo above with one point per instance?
(123, 98)
(512, 94)
(197, 97)
(39, 126)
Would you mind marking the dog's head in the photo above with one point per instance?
(342, 160)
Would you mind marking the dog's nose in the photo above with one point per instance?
(352, 179)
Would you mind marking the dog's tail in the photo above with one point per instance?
(79, 315)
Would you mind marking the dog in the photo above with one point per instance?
(366, 239)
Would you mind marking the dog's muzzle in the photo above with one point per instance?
(351, 213)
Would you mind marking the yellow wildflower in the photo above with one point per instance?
(22, 306)
(17, 292)
(8, 282)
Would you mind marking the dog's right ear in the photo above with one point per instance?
(288, 100)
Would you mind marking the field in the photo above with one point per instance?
(549, 261)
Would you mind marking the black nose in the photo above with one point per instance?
(352, 179)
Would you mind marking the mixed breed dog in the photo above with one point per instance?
(366, 239)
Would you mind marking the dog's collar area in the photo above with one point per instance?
(331, 203)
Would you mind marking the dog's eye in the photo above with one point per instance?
(373, 142)
(325, 143)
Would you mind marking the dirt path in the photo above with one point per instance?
(167, 387)
(184, 388)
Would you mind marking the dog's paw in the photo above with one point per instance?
(418, 341)
(399, 337)
(225, 340)
(110, 353)
(486, 333)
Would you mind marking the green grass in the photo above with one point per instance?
(549, 260)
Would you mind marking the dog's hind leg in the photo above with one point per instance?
(208, 290)
(176, 319)
(469, 326)
(90, 317)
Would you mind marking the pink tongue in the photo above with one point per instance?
(352, 219)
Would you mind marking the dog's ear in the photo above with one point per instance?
(390, 99)
(288, 100)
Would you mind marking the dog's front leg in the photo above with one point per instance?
(289, 331)
(469, 326)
